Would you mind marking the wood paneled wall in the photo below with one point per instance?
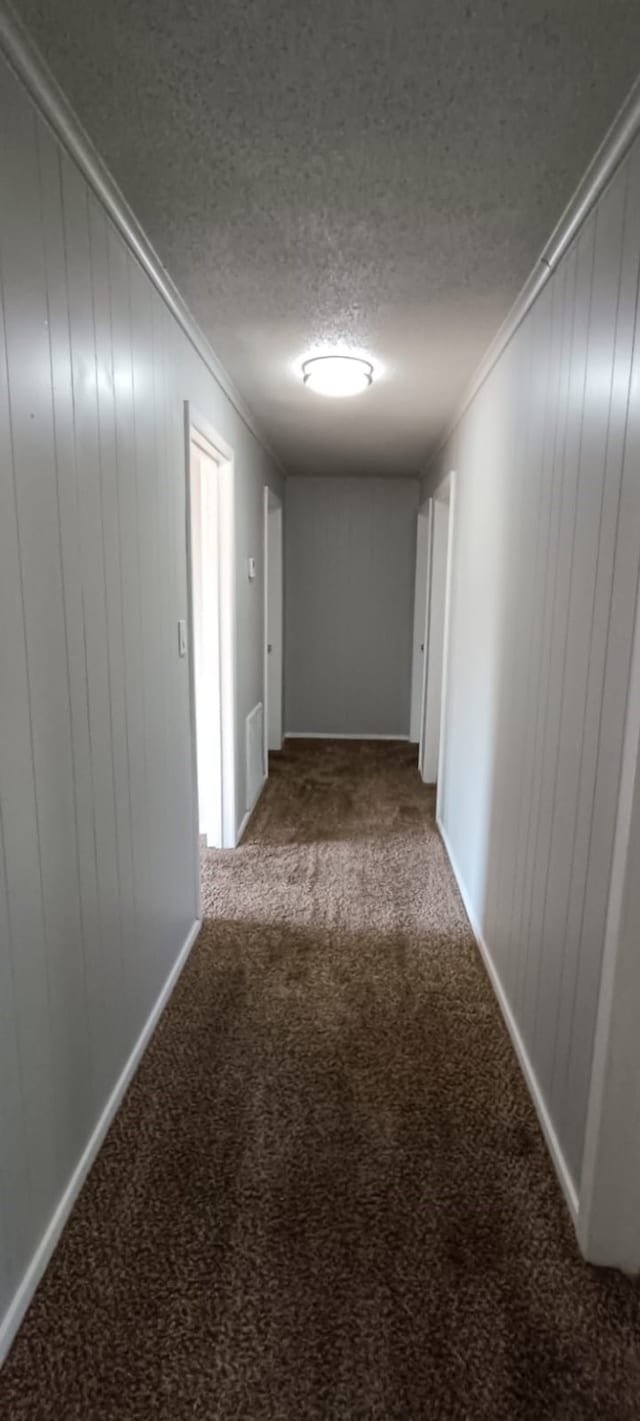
(97, 853)
(545, 578)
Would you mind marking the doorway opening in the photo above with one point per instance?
(420, 615)
(273, 623)
(210, 567)
(439, 521)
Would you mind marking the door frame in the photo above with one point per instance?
(428, 505)
(446, 642)
(437, 496)
(200, 432)
(420, 624)
(272, 502)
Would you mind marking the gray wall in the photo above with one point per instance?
(97, 856)
(546, 559)
(350, 548)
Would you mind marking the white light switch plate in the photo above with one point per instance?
(182, 638)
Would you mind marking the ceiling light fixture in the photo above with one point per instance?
(337, 375)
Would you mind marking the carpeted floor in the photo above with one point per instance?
(326, 1195)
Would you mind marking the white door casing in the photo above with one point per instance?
(212, 636)
(273, 621)
(419, 623)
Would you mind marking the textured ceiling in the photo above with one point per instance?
(371, 174)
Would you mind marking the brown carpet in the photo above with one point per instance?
(326, 1195)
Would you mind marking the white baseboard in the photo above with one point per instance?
(553, 1144)
(249, 812)
(44, 1251)
(330, 735)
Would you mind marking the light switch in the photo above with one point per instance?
(182, 638)
(251, 568)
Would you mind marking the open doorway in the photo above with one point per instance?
(273, 623)
(210, 545)
(420, 613)
(438, 558)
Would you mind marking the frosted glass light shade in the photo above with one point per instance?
(337, 375)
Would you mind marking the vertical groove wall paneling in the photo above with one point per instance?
(110, 520)
(572, 626)
(131, 575)
(546, 557)
(25, 435)
(97, 854)
(612, 614)
(104, 963)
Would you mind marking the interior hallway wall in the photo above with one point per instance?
(545, 575)
(350, 549)
(97, 858)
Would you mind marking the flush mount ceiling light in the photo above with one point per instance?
(337, 375)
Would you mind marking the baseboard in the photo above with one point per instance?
(553, 1144)
(330, 735)
(249, 812)
(45, 1249)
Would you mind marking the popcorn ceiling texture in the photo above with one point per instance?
(379, 175)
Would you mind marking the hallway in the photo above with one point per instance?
(326, 1195)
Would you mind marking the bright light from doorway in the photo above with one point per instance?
(337, 375)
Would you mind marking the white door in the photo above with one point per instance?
(419, 623)
(437, 589)
(273, 594)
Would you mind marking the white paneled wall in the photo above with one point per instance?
(545, 573)
(97, 854)
(350, 551)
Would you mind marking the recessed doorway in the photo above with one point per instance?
(211, 638)
(273, 623)
(438, 556)
(420, 622)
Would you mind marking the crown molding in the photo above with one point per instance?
(603, 166)
(31, 69)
